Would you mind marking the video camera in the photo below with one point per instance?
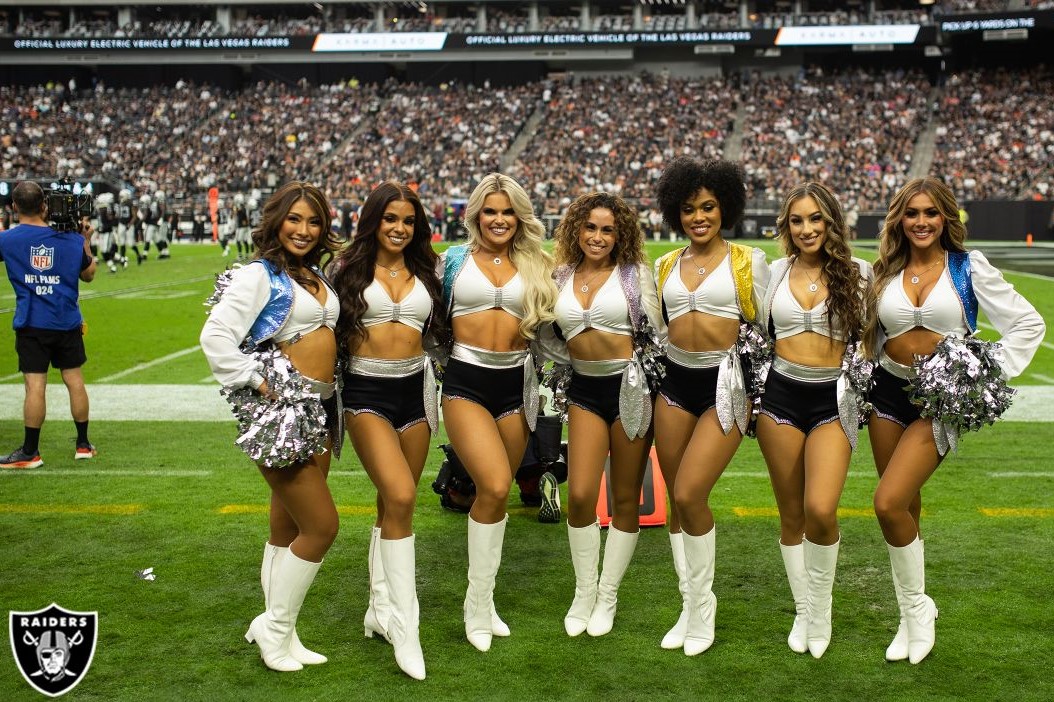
(65, 207)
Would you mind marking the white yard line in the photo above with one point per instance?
(46, 471)
(148, 364)
(1021, 474)
(201, 402)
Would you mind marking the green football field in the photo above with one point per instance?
(169, 491)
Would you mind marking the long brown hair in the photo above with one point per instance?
(354, 268)
(844, 299)
(265, 236)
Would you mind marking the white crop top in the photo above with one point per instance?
(232, 317)
(474, 293)
(412, 310)
(608, 313)
(716, 295)
(941, 311)
(308, 314)
(790, 318)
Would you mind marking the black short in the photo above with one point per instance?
(40, 348)
(400, 401)
(891, 398)
(596, 394)
(498, 390)
(800, 404)
(692, 389)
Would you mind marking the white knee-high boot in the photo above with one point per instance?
(820, 565)
(585, 557)
(484, 559)
(379, 609)
(618, 551)
(272, 554)
(898, 648)
(699, 557)
(404, 617)
(909, 568)
(794, 563)
(675, 637)
(273, 630)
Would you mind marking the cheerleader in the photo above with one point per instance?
(607, 302)
(927, 287)
(707, 289)
(497, 290)
(388, 288)
(281, 299)
(808, 423)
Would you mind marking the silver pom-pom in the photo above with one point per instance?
(557, 377)
(754, 350)
(859, 375)
(961, 384)
(287, 427)
(647, 350)
(223, 281)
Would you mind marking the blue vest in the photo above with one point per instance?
(959, 269)
(276, 311)
(44, 267)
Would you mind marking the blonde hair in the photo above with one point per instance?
(534, 265)
(894, 249)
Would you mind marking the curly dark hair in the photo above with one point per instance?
(844, 285)
(265, 236)
(686, 176)
(629, 244)
(354, 268)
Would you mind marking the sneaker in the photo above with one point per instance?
(549, 512)
(84, 450)
(20, 459)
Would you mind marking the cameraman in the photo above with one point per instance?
(45, 267)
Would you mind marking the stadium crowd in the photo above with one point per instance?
(995, 139)
(263, 21)
(855, 131)
(616, 133)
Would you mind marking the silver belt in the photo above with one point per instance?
(805, 374)
(695, 359)
(323, 390)
(898, 369)
(600, 369)
(487, 358)
(385, 367)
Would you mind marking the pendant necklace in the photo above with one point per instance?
(392, 272)
(915, 276)
(585, 285)
(701, 270)
(814, 285)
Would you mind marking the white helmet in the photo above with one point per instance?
(144, 199)
(239, 199)
(104, 199)
(125, 195)
(159, 196)
(252, 204)
(219, 202)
